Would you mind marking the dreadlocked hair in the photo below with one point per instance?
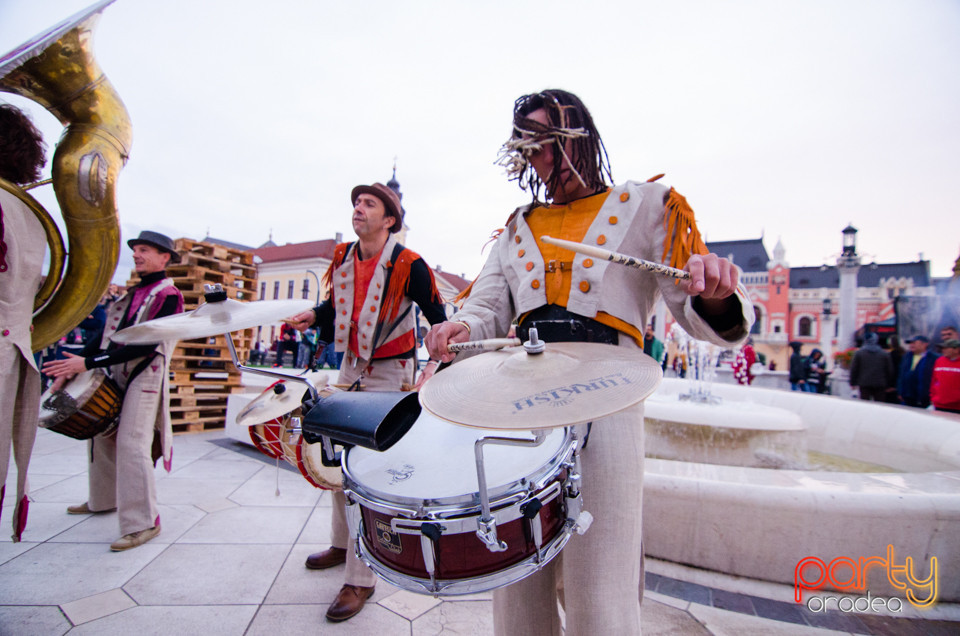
(569, 120)
(21, 146)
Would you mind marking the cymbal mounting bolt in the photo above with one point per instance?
(534, 345)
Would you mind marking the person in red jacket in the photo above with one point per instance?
(945, 383)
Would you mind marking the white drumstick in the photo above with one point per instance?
(621, 259)
(491, 344)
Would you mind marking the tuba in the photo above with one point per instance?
(57, 70)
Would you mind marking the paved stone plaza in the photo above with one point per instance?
(230, 561)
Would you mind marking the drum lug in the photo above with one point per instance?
(531, 511)
(429, 535)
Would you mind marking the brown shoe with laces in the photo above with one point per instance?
(326, 559)
(349, 602)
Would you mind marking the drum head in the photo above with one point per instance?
(435, 461)
(311, 465)
(55, 408)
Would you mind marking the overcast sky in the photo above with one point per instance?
(775, 118)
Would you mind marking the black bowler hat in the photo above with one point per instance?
(160, 241)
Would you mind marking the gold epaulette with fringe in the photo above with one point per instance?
(683, 238)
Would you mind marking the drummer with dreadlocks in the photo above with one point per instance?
(568, 296)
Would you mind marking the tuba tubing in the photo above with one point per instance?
(58, 71)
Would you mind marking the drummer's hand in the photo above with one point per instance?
(58, 384)
(426, 374)
(302, 321)
(440, 336)
(66, 368)
(712, 278)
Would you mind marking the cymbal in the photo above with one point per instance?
(211, 319)
(569, 383)
(270, 404)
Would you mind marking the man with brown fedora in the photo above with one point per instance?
(121, 465)
(369, 317)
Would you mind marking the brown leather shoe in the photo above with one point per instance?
(349, 602)
(326, 559)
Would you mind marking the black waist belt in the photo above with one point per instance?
(555, 324)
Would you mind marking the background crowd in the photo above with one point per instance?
(923, 375)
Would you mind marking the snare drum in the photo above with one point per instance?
(87, 406)
(416, 506)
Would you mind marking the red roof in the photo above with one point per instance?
(458, 282)
(294, 251)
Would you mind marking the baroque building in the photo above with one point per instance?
(802, 303)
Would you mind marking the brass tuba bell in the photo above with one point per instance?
(57, 70)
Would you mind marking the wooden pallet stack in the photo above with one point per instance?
(202, 374)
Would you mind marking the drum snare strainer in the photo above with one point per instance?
(435, 515)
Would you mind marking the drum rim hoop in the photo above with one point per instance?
(541, 476)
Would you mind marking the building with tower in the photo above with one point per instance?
(806, 303)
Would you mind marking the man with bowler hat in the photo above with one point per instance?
(369, 318)
(121, 464)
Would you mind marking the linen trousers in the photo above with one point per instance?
(601, 571)
(385, 375)
(121, 468)
(19, 412)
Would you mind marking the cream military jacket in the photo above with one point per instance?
(157, 372)
(631, 221)
(26, 245)
(343, 283)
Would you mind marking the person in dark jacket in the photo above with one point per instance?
(872, 370)
(798, 370)
(816, 372)
(913, 384)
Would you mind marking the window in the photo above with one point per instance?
(306, 289)
(276, 290)
(803, 327)
(290, 290)
(263, 291)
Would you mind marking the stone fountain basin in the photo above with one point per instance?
(760, 523)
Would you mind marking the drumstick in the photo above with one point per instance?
(491, 344)
(620, 259)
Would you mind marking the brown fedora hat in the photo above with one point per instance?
(160, 241)
(391, 201)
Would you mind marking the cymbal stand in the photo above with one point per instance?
(487, 530)
(487, 525)
(215, 293)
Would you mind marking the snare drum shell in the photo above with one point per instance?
(460, 555)
(430, 476)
